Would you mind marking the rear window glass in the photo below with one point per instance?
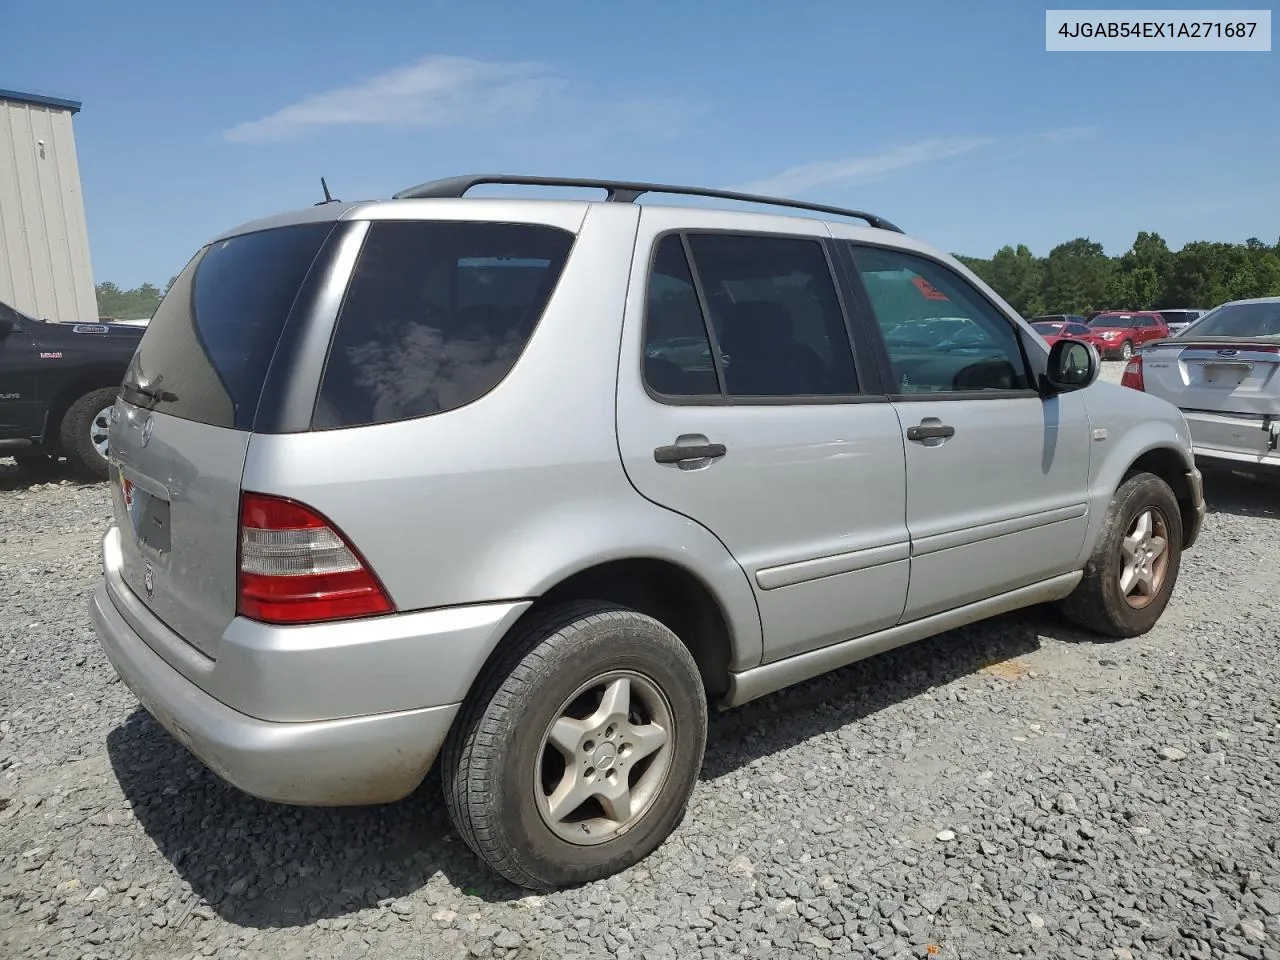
(211, 340)
(1259, 319)
(436, 316)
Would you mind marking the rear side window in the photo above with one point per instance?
(436, 316)
(212, 338)
(773, 307)
(677, 352)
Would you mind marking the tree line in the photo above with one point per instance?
(1076, 277)
(137, 304)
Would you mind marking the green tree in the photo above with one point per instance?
(977, 264)
(1018, 275)
(136, 304)
(1139, 275)
(1076, 276)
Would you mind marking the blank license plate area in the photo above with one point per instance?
(148, 515)
(1232, 373)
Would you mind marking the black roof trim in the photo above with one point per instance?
(40, 100)
(622, 191)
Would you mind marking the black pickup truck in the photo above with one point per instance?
(58, 382)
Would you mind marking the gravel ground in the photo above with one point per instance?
(1013, 788)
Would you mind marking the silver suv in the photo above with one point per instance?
(527, 484)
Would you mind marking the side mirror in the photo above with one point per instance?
(1073, 365)
(6, 327)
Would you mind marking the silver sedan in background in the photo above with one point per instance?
(1223, 372)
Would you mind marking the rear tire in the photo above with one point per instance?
(589, 701)
(83, 432)
(1130, 577)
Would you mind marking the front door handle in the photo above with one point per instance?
(931, 429)
(689, 447)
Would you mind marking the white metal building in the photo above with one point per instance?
(44, 240)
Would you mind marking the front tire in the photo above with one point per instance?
(84, 433)
(577, 753)
(1130, 577)
(1126, 350)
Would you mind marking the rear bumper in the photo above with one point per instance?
(1244, 442)
(332, 714)
(358, 760)
(1233, 457)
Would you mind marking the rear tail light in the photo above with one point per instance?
(296, 567)
(1132, 376)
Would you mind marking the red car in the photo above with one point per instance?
(1122, 332)
(1052, 329)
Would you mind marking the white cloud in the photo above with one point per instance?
(434, 91)
(798, 179)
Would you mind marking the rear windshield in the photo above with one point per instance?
(1238, 320)
(436, 316)
(206, 351)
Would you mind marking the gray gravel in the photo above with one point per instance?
(1014, 788)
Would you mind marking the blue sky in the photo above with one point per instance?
(949, 119)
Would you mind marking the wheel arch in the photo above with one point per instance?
(671, 594)
(1169, 465)
(84, 382)
(721, 638)
(1154, 447)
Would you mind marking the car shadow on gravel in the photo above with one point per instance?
(1242, 495)
(14, 478)
(265, 865)
(799, 713)
(259, 864)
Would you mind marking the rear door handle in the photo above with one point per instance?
(930, 430)
(687, 448)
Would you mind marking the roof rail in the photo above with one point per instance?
(622, 191)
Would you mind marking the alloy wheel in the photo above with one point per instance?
(604, 758)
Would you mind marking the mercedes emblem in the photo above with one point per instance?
(147, 429)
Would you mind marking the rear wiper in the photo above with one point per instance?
(153, 393)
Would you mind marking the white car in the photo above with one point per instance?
(1179, 320)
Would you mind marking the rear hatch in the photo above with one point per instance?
(187, 410)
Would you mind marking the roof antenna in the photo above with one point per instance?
(327, 197)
